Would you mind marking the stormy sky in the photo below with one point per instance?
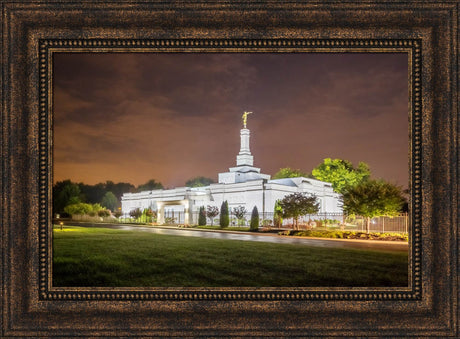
(131, 117)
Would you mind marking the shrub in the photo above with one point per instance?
(278, 215)
(254, 225)
(136, 213)
(202, 216)
(224, 220)
(170, 221)
(104, 213)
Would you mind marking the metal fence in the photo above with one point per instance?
(383, 224)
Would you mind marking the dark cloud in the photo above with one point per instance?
(132, 117)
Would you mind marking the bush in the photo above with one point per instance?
(254, 225)
(104, 213)
(202, 216)
(170, 221)
(136, 213)
(224, 220)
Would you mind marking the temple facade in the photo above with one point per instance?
(243, 185)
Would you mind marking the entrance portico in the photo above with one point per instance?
(161, 209)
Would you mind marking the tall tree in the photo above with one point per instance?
(224, 215)
(202, 216)
(254, 225)
(341, 173)
(109, 201)
(373, 198)
(288, 172)
(64, 193)
(297, 204)
(119, 188)
(211, 212)
(199, 182)
(150, 185)
(92, 193)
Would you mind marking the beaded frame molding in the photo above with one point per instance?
(33, 31)
(47, 49)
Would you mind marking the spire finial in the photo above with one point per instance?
(245, 118)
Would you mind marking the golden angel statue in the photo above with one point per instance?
(245, 118)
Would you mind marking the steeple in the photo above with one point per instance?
(244, 170)
(244, 158)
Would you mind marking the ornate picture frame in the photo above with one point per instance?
(33, 31)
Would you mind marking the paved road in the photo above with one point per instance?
(265, 237)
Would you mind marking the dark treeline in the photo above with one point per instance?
(107, 194)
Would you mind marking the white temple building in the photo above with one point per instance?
(242, 185)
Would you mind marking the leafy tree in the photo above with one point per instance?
(373, 198)
(199, 182)
(341, 173)
(239, 213)
(92, 193)
(64, 193)
(211, 212)
(149, 185)
(278, 214)
(296, 204)
(224, 215)
(202, 216)
(288, 172)
(119, 188)
(109, 201)
(254, 225)
(135, 213)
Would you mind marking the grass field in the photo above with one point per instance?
(108, 257)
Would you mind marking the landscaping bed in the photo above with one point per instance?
(346, 235)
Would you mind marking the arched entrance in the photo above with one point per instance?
(161, 209)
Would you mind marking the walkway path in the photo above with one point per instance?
(262, 237)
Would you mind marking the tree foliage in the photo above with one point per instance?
(288, 172)
(199, 182)
(254, 225)
(239, 213)
(341, 173)
(82, 208)
(64, 193)
(211, 212)
(149, 186)
(373, 198)
(109, 201)
(202, 216)
(277, 214)
(135, 213)
(224, 215)
(297, 204)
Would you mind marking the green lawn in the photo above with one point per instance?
(107, 257)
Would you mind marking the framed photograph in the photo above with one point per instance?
(156, 118)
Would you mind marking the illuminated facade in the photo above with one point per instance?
(242, 185)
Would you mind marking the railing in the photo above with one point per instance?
(383, 224)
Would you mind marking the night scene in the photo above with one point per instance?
(230, 169)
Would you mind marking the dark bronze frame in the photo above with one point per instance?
(33, 31)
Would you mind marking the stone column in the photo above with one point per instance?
(160, 213)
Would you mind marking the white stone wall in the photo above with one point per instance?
(247, 194)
